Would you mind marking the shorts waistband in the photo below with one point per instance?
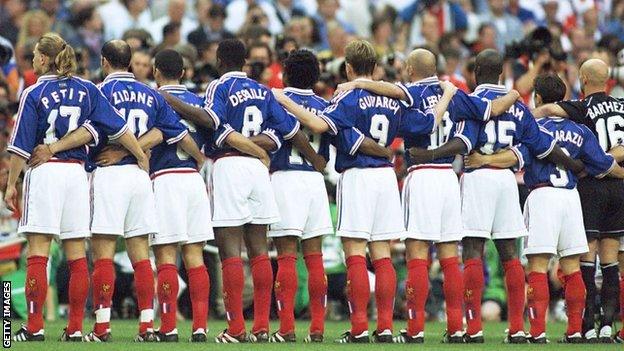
(230, 154)
(172, 170)
(56, 160)
(430, 166)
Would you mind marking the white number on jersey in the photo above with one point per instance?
(560, 177)
(296, 158)
(71, 112)
(379, 129)
(182, 155)
(252, 121)
(441, 133)
(136, 119)
(503, 138)
(610, 131)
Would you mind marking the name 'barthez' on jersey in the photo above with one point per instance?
(579, 142)
(142, 107)
(57, 106)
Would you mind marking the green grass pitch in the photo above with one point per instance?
(124, 330)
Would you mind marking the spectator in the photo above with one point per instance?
(88, 24)
(259, 58)
(327, 13)
(284, 11)
(508, 27)
(122, 15)
(11, 13)
(34, 24)
(171, 37)
(450, 18)
(138, 39)
(486, 39)
(176, 13)
(141, 66)
(382, 35)
(238, 14)
(211, 28)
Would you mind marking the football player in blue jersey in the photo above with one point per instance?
(553, 210)
(56, 188)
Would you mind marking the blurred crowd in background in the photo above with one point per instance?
(536, 36)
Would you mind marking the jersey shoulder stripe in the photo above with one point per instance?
(25, 94)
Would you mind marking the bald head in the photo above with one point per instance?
(594, 72)
(422, 63)
(117, 53)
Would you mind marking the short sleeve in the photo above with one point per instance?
(337, 114)
(410, 99)
(350, 140)
(597, 162)
(522, 154)
(575, 109)
(222, 133)
(104, 118)
(214, 103)
(286, 125)
(168, 122)
(24, 137)
(470, 107)
(468, 132)
(416, 122)
(537, 139)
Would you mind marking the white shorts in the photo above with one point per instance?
(369, 204)
(431, 204)
(491, 205)
(56, 201)
(242, 193)
(123, 202)
(555, 221)
(303, 205)
(182, 206)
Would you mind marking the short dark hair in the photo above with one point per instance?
(216, 10)
(301, 68)
(231, 54)
(118, 53)
(257, 45)
(361, 55)
(170, 63)
(170, 27)
(550, 87)
(488, 67)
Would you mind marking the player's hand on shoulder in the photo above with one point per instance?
(111, 155)
(279, 95)
(474, 160)
(40, 155)
(144, 163)
(10, 198)
(448, 87)
(345, 87)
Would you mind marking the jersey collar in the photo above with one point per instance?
(173, 87)
(429, 80)
(299, 91)
(235, 74)
(47, 77)
(119, 75)
(491, 87)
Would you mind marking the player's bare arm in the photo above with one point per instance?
(129, 141)
(379, 88)
(44, 152)
(559, 157)
(300, 142)
(264, 141)
(440, 109)
(503, 103)
(618, 153)
(189, 145)
(616, 172)
(307, 118)
(452, 147)
(502, 159)
(549, 110)
(16, 165)
(190, 113)
(246, 146)
(372, 148)
(114, 153)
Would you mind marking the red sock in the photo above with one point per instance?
(78, 293)
(103, 278)
(36, 289)
(385, 290)
(575, 301)
(515, 285)
(358, 293)
(317, 289)
(622, 303)
(473, 290)
(168, 296)
(453, 294)
(416, 291)
(285, 290)
(233, 284)
(538, 300)
(144, 283)
(199, 289)
(262, 275)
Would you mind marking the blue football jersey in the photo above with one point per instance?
(143, 109)
(167, 156)
(578, 142)
(424, 95)
(54, 107)
(288, 157)
(376, 117)
(513, 127)
(238, 103)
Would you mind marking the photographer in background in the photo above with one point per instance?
(8, 68)
(617, 73)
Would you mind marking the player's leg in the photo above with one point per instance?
(538, 295)
(78, 283)
(317, 285)
(103, 280)
(385, 286)
(286, 282)
(588, 271)
(574, 290)
(609, 293)
(230, 241)
(416, 285)
(199, 285)
(474, 282)
(358, 287)
(514, 283)
(36, 284)
(453, 286)
(138, 252)
(262, 276)
(167, 287)
(620, 338)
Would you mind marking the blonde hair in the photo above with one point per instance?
(38, 17)
(61, 54)
(361, 55)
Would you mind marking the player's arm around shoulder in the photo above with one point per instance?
(618, 153)
(382, 88)
(246, 146)
(309, 119)
(549, 110)
(503, 159)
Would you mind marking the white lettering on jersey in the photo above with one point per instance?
(132, 96)
(247, 94)
(378, 101)
(65, 94)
